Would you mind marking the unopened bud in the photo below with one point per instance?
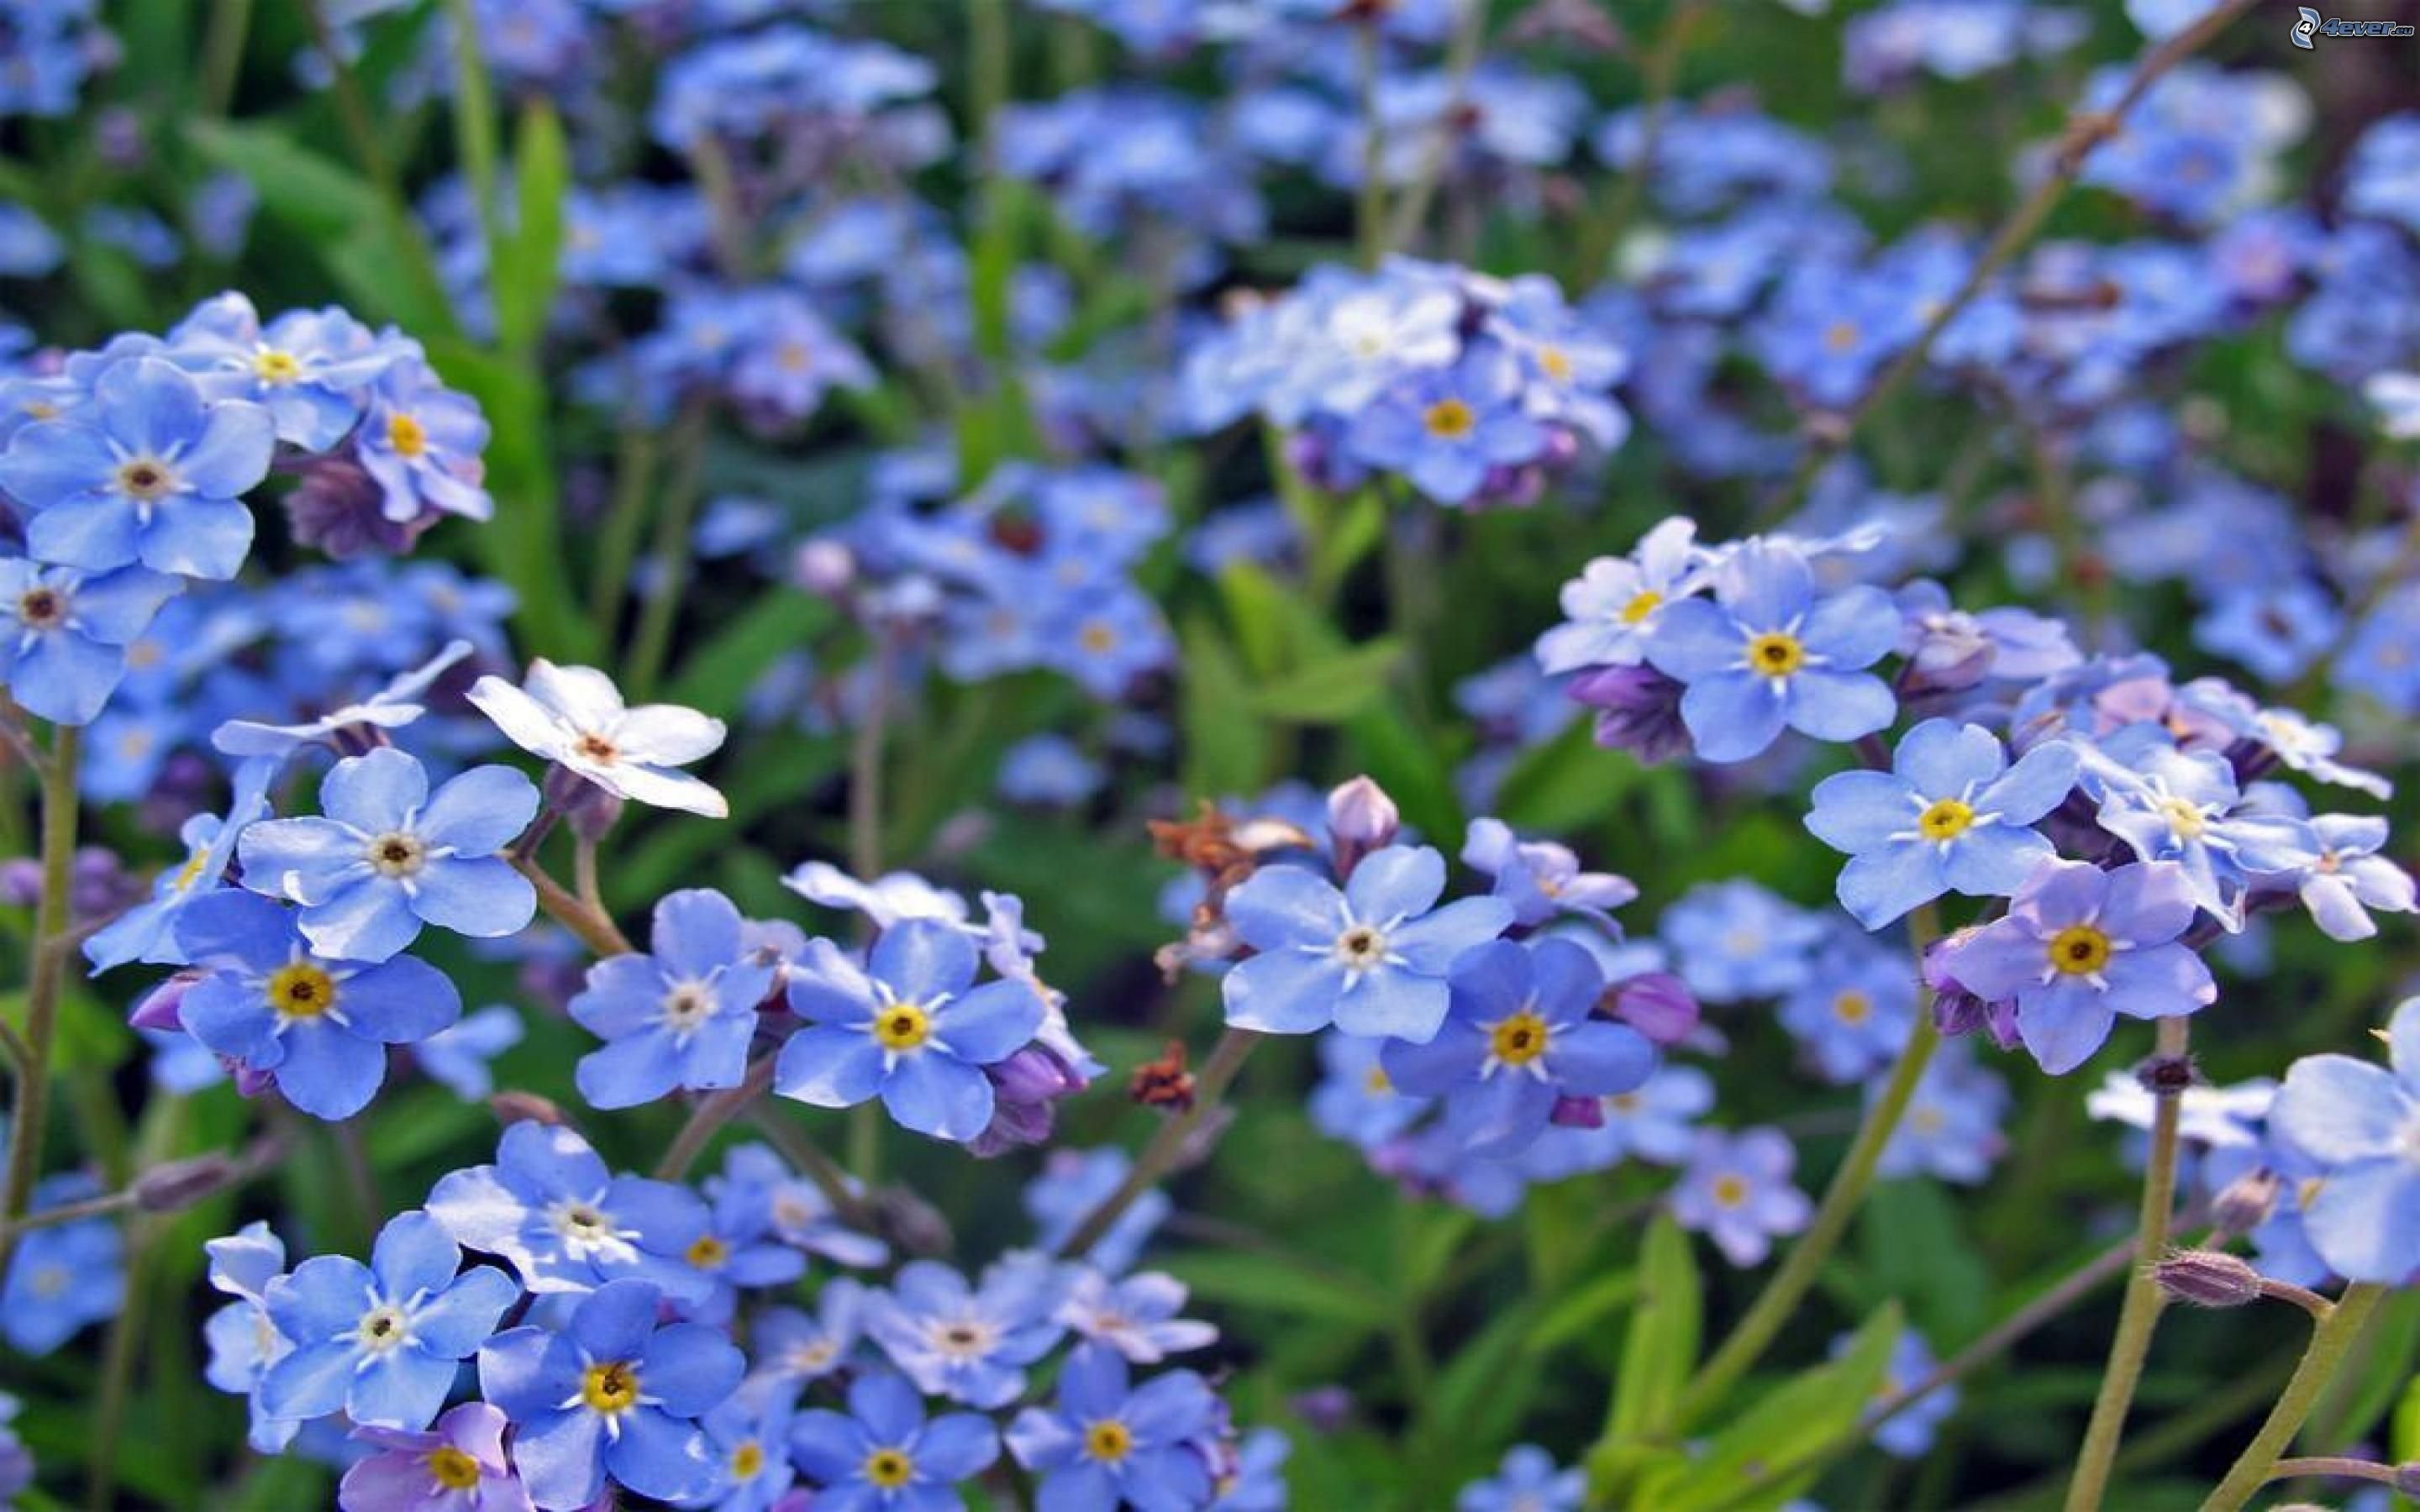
(513, 1106)
(2207, 1278)
(2166, 1075)
(180, 1184)
(1655, 1003)
(1324, 1409)
(1164, 1083)
(2245, 1203)
(1361, 818)
(824, 568)
(589, 810)
(162, 1007)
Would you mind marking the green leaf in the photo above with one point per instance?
(1583, 1310)
(718, 673)
(1330, 690)
(1224, 744)
(1277, 1284)
(1261, 617)
(1662, 1346)
(1914, 1249)
(1416, 771)
(525, 281)
(1798, 1417)
(310, 194)
(1567, 783)
(2404, 1435)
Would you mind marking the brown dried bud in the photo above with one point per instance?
(2168, 1075)
(1163, 1082)
(515, 1106)
(2245, 1203)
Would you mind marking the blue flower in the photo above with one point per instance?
(1737, 940)
(1251, 1474)
(681, 1017)
(390, 856)
(549, 1206)
(2181, 808)
(1519, 1036)
(310, 369)
(907, 1028)
(382, 1342)
(612, 1393)
(1075, 1181)
(459, 1465)
(793, 1348)
(2354, 1120)
(1767, 653)
(1855, 1010)
(1952, 813)
(322, 1026)
(1356, 1100)
(1136, 1317)
(1656, 1123)
(245, 1341)
(1447, 430)
(1370, 959)
(66, 653)
(458, 1057)
(1542, 878)
(1612, 607)
(966, 1343)
(1909, 1433)
(2342, 877)
(421, 442)
(148, 472)
(1526, 1481)
(1737, 1192)
(757, 1182)
(750, 1439)
(1109, 1443)
(64, 1276)
(883, 1455)
(1951, 1128)
(2080, 946)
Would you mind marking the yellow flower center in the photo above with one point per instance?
(406, 435)
(793, 357)
(1840, 335)
(1109, 1439)
(747, 1460)
(144, 478)
(1376, 1083)
(2184, 819)
(890, 1469)
(382, 1329)
(1448, 420)
(2079, 950)
(1097, 638)
(611, 1387)
(1519, 1039)
(902, 1027)
(301, 991)
(1945, 820)
(1647, 602)
(275, 367)
(1852, 1008)
(1554, 363)
(452, 1469)
(706, 1253)
(1729, 1190)
(190, 872)
(1775, 655)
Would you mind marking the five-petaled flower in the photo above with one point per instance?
(575, 717)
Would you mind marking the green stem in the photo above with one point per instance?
(706, 1119)
(594, 929)
(474, 125)
(1167, 1143)
(1602, 235)
(52, 926)
(1779, 1302)
(118, 1370)
(223, 56)
(1369, 208)
(2140, 1313)
(2329, 1342)
(1462, 56)
(652, 642)
(617, 538)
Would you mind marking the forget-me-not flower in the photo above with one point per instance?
(549, 1206)
(1109, 1443)
(1737, 1192)
(575, 717)
(66, 653)
(883, 1455)
(971, 1344)
(681, 1017)
(458, 1465)
(2359, 1123)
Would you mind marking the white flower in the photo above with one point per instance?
(575, 716)
(2395, 396)
(391, 707)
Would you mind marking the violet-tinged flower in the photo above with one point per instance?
(1638, 710)
(2341, 877)
(909, 1028)
(749, 1437)
(1613, 607)
(1527, 1480)
(243, 1340)
(1542, 878)
(390, 856)
(1951, 814)
(2359, 1124)
(971, 1344)
(884, 1456)
(681, 1017)
(793, 1348)
(575, 717)
(382, 1342)
(66, 652)
(2182, 807)
(63, 1275)
(1855, 1010)
(1447, 430)
(1767, 653)
(1737, 1192)
(148, 472)
(1370, 959)
(422, 440)
(321, 1024)
(1520, 1035)
(549, 1206)
(1109, 1443)
(2080, 946)
(610, 1395)
(459, 1465)
(1137, 1315)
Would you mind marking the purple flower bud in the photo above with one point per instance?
(341, 510)
(159, 1008)
(2245, 1203)
(21, 882)
(1638, 710)
(1655, 1003)
(1578, 1112)
(1324, 1409)
(1032, 1075)
(1951, 653)
(179, 1184)
(589, 810)
(825, 568)
(2207, 1278)
(1955, 1009)
(1361, 818)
